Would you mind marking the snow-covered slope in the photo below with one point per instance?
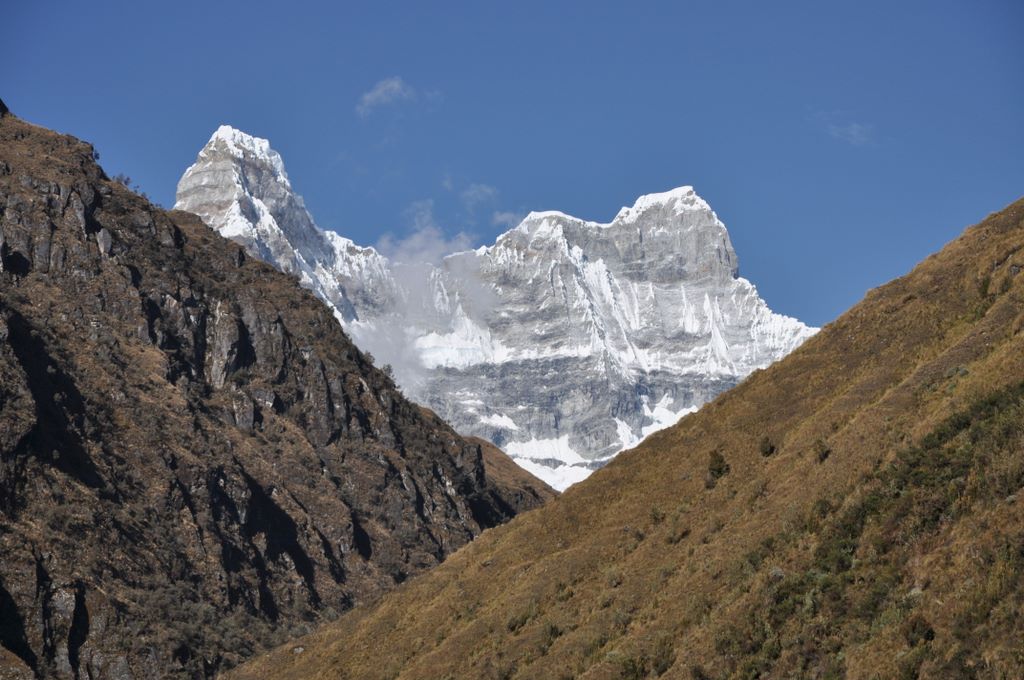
(563, 343)
(238, 185)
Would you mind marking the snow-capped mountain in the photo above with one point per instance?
(563, 343)
(238, 185)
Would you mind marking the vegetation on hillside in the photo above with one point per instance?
(857, 586)
(852, 511)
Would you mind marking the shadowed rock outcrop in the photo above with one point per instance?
(195, 461)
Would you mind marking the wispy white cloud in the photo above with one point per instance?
(446, 182)
(857, 134)
(415, 257)
(476, 195)
(420, 215)
(426, 243)
(846, 126)
(506, 218)
(385, 92)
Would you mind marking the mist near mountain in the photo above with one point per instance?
(564, 342)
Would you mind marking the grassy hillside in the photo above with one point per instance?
(852, 511)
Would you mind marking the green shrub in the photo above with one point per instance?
(697, 672)
(551, 633)
(519, 620)
(822, 450)
(663, 657)
(718, 467)
(917, 630)
(633, 668)
(677, 533)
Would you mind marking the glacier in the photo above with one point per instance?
(564, 342)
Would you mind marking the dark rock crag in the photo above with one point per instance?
(195, 461)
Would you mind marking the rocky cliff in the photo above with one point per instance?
(564, 342)
(195, 460)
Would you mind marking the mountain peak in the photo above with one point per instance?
(683, 198)
(239, 187)
(243, 145)
(535, 215)
(643, 314)
(232, 136)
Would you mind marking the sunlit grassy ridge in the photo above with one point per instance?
(852, 511)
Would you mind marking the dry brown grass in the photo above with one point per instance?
(643, 571)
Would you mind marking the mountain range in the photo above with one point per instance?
(855, 510)
(563, 343)
(197, 463)
(195, 460)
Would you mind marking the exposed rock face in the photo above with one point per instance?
(564, 342)
(195, 461)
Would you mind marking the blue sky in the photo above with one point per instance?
(840, 142)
